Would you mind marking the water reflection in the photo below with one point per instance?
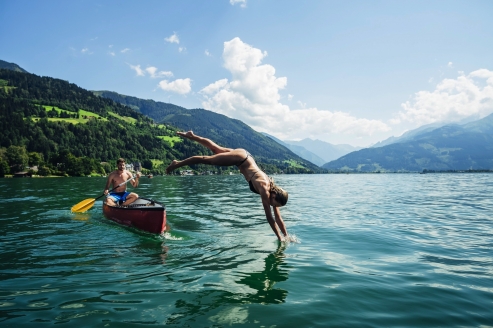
(228, 308)
(81, 216)
(263, 282)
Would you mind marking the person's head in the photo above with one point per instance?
(278, 196)
(120, 163)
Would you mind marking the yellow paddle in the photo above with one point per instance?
(86, 204)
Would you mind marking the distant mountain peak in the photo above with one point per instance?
(12, 66)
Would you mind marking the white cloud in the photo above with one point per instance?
(215, 87)
(450, 64)
(180, 86)
(155, 74)
(290, 97)
(451, 100)
(253, 96)
(241, 2)
(125, 50)
(173, 39)
(112, 53)
(207, 53)
(86, 51)
(137, 69)
(182, 49)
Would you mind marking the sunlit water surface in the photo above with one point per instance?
(381, 250)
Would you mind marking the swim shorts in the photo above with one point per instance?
(119, 196)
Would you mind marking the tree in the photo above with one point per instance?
(35, 158)
(4, 168)
(44, 171)
(106, 167)
(147, 163)
(17, 158)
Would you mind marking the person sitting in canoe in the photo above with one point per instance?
(120, 195)
(259, 182)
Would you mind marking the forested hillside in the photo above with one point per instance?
(60, 120)
(67, 130)
(220, 128)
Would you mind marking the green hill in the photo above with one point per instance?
(69, 130)
(222, 129)
(58, 119)
(451, 147)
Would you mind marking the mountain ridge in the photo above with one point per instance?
(231, 133)
(450, 147)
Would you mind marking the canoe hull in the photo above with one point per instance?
(144, 214)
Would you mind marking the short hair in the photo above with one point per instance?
(120, 160)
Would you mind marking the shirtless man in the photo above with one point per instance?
(120, 194)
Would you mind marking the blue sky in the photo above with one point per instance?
(351, 72)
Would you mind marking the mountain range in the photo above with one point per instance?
(450, 147)
(431, 147)
(225, 131)
(52, 117)
(316, 151)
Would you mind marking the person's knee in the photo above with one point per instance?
(132, 196)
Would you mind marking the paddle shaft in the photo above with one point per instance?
(121, 184)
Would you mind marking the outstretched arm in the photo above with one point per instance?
(279, 221)
(270, 218)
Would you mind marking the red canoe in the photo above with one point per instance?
(144, 214)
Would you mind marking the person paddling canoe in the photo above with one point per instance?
(259, 183)
(120, 195)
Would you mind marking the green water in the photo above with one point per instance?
(389, 250)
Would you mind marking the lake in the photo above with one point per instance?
(373, 250)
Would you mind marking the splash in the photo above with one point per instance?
(292, 239)
(168, 236)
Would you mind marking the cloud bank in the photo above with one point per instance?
(452, 99)
(253, 97)
(180, 86)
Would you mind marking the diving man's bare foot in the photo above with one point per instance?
(171, 167)
(188, 135)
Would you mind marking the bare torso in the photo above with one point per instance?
(117, 177)
(253, 173)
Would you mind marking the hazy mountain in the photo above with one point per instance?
(409, 135)
(327, 151)
(11, 66)
(450, 147)
(300, 151)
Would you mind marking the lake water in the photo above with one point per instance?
(374, 250)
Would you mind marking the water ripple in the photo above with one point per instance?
(372, 250)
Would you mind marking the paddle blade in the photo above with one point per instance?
(83, 206)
